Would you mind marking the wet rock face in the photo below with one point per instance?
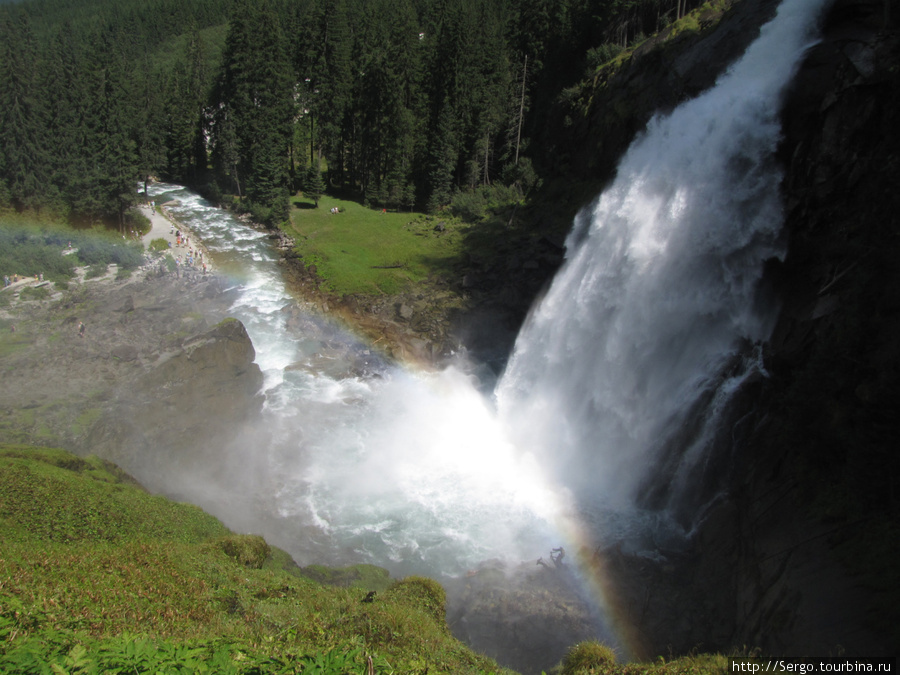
(524, 616)
(826, 445)
(188, 406)
(160, 375)
(784, 561)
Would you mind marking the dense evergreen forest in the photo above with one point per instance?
(399, 103)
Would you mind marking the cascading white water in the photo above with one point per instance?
(418, 472)
(406, 470)
(658, 290)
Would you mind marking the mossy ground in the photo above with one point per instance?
(592, 658)
(95, 571)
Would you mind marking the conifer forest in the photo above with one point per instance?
(404, 104)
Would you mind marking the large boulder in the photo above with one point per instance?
(180, 416)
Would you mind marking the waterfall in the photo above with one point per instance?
(638, 347)
(658, 296)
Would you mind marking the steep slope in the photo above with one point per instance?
(97, 575)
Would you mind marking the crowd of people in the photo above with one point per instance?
(16, 278)
(193, 258)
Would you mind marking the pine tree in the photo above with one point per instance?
(268, 178)
(66, 99)
(187, 94)
(386, 130)
(22, 160)
(255, 107)
(337, 86)
(147, 129)
(314, 187)
(443, 161)
(102, 185)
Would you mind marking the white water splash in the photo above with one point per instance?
(406, 470)
(659, 288)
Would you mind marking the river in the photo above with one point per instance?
(405, 469)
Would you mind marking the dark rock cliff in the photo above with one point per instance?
(795, 556)
(816, 500)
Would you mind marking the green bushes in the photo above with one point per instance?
(96, 270)
(68, 652)
(28, 250)
(588, 657)
(474, 205)
(470, 206)
(269, 215)
(27, 254)
(601, 55)
(101, 250)
(158, 245)
(423, 592)
(136, 221)
(249, 550)
(33, 293)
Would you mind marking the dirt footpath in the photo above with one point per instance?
(163, 226)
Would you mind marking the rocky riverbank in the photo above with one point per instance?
(476, 310)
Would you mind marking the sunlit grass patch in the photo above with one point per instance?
(51, 502)
(363, 250)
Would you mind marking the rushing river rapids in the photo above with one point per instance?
(361, 460)
(403, 469)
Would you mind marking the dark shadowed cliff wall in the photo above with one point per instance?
(797, 555)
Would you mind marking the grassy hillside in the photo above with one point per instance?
(97, 575)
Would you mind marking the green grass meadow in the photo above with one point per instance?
(364, 250)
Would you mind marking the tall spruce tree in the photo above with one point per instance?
(117, 161)
(101, 175)
(148, 125)
(22, 158)
(254, 109)
(336, 86)
(314, 186)
(386, 130)
(186, 99)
